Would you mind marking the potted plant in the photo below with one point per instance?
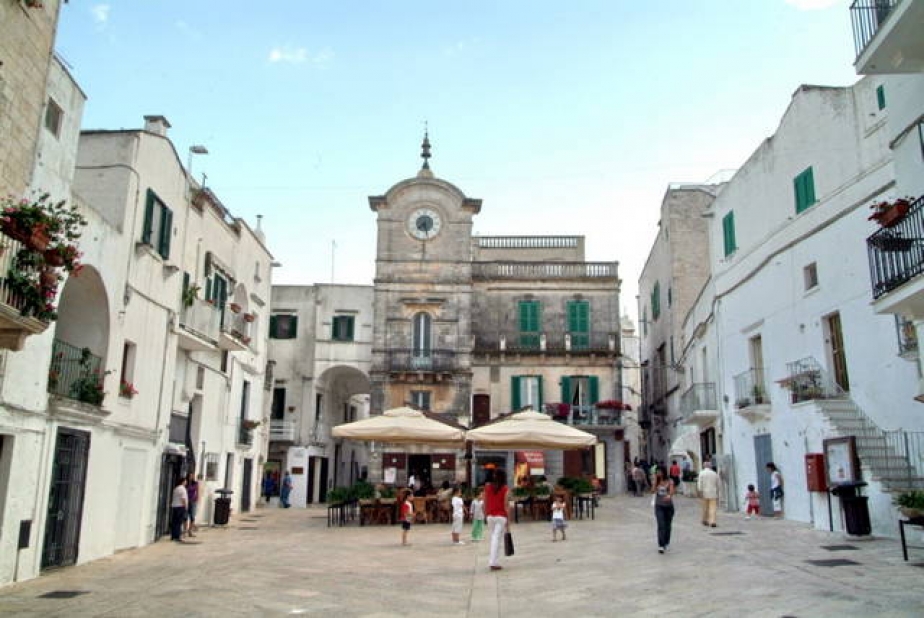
(88, 387)
(387, 494)
(910, 503)
(249, 317)
(364, 492)
(521, 493)
(127, 389)
(888, 214)
(190, 295)
(249, 423)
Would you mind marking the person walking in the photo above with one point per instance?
(285, 490)
(407, 515)
(478, 515)
(178, 503)
(558, 518)
(752, 499)
(708, 486)
(497, 509)
(192, 494)
(269, 486)
(674, 473)
(663, 490)
(641, 480)
(776, 489)
(458, 516)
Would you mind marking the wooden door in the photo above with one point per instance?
(481, 410)
(836, 351)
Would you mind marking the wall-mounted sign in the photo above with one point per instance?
(298, 470)
(841, 460)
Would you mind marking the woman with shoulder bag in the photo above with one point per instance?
(663, 498)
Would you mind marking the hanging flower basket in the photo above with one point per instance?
(889, 214)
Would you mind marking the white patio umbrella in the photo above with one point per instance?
(403, 426)
(530, 430)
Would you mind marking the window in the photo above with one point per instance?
(158, 225)
(216, 289)
(318, 402)
(342, 328)
(579, 324)
(53, 117)
(526, 391)
(804, 186)
(529, 318)
(581, 392)
(245, 399)
(421, 399)
(644, 322)
(127, 374)
(200, 378)
(728, 233)
(907, 335)
(211, 466)
(656, 301)
(421, 345)
(277, 411)
(670, 299)
(810, 276)
(283, 326)
(880, 97)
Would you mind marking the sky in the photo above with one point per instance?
(563, 117)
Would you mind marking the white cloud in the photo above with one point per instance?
(300, 55)
(100, 13)
(812, 5)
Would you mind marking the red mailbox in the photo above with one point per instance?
(815, 472)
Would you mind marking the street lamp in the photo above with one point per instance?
(198, 149)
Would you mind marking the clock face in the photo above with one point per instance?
(424, 223)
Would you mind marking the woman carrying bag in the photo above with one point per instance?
(497, 510)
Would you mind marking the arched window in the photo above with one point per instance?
(421, 345)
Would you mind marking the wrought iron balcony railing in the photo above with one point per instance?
(75, 373)
(583, 415)
(699, 397)
(411, 360)
(866, 17)
(751, 388)
(282, 431)
(547, 341)
(896, 253)
(807, 381)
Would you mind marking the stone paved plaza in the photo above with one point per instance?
(288, 562)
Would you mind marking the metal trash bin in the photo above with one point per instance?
(222, 507)
(856, 508)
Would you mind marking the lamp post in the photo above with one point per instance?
(197, 149)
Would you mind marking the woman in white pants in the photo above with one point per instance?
(497, 511)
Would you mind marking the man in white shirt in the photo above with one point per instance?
(708, 485)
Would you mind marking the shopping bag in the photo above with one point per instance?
(508, 544)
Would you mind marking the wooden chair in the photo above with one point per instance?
(421, 515)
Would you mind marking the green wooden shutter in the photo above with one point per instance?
(350, 320)
(594, 389)
(529, 323)
(166, 231)
(566, 389)
(148, 217)
(273, 327)
(293, 327)
(515, 393)
(804, 187)
(579, 323)
(728, 233)
(880, 97)
(539, 403)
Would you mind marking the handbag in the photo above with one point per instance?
(508, 544)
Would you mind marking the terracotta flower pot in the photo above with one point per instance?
(38, 240)
(894, 215)
(48, 278)
(249, 317)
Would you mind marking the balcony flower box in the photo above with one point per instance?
(249, 317)
(127, 389)
(889, 214)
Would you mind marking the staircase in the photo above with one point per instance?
(894, 458)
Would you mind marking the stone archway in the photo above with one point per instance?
(344, 391)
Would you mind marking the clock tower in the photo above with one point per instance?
(422, 336)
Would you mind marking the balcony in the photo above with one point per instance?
(282, 431)
(14, 327)
(179, 426)
(554, 342)
(807, 381)
(583, 416)
(199, 326)
(235, 331)
(75, 373)
(751, 397)
(244, 434)
(698, 405)
(887, 36)
(896, 256)
(538, 271)
(434, 361)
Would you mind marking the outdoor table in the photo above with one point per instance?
(915, 521)
(585, 502)
(336, 514)
(377, 513)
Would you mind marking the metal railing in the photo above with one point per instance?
(544, 270)
(909, 447)
(236, 325)
(699, 396)
(410, 360)
(806, 381)
(750, 388)
(75, 373)
(583, 415)
(244, 434)
(896, 253)
(547, 341)
(867, 16)
(282, 431)
(201, 318)
(8, 250)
